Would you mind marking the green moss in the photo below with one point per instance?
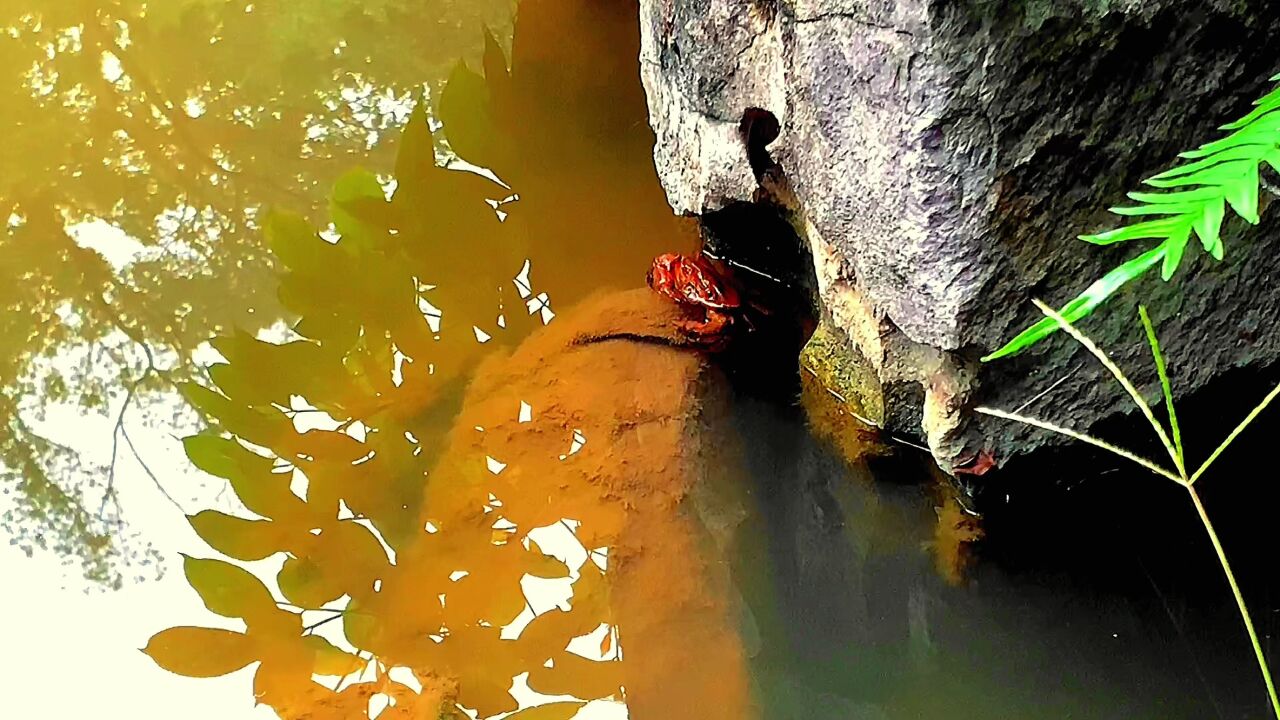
(831, 358)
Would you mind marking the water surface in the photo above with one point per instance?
(330, 378)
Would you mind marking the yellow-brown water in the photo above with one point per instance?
(445, 454)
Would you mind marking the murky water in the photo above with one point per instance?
(331, 379)
(862, 619)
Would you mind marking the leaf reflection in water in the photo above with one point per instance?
(144, 141)
(476, 456)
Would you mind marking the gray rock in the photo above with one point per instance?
(941, 156)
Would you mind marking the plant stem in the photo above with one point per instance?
(1166, 388)
(1235, 590)
(1067, 432)
(1175, 451)
(1235, 433)
(1120, 377)
(318, 623)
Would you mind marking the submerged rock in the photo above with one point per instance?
(605, 420)
(941, 157)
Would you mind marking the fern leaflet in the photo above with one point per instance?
(1190, 199)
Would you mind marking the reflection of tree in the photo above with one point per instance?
(458, 449)
(589, 428)
(174, 122)
(567, 126)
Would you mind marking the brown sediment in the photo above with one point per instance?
(617, 372)
(955, 534)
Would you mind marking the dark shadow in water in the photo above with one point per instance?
(1088, 521)
(853, 608)
(1096, 594)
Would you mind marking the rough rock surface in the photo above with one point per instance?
(940, 157)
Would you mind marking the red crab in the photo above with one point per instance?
(694, 281)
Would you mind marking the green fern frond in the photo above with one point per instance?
(1190, 198)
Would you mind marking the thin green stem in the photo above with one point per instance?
(1176, 452)
(1235, 590)
(1235, 433)
(1165, 387)
(1119, 376)
(1044, 425)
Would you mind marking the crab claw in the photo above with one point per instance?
(709, 332)
(977, 465)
